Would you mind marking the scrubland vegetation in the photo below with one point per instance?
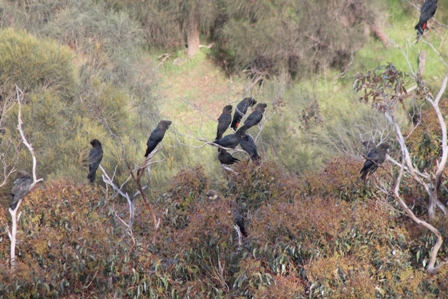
(112, 69)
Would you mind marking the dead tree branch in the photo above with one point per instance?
(432, 260)
(136, 174)
(24, 140)
(385, 89)
(14, 217)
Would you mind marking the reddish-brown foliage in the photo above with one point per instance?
(309, 237)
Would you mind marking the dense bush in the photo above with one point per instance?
(110, 88)
(292, 36)
(34, 64)
(65, 239)
(54, 120)
(300, 243)
(44, 72)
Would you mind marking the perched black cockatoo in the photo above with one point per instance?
(240, 111)
(95, 157)
(247, 143)
(21, 187)
(225, 158)
(255, 117)
(232, 140)
(426, 12)
(224, 121)
(157, 136)
(375, 157)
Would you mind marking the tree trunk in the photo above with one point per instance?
(380, 34)
(432, 204)
(13, 236)
(192, 34)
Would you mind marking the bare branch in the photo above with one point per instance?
(421, 62)
(13, 234)
(196, 107)
(240, 235)
(131, 206)
(109, 181)
(440, 93)
(432, 260)
(24, 140)
(137, 179)
(423, 175)
(413, 171)
(439, 23)
(129, 227)
(7, 169)
(229, 169)
(163, 58)
(406, 57)
(88, 285)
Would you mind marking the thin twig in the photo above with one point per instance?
(129, 228)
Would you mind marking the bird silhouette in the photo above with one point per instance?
(224, 121)
(255, 117)
(21, 187)
(95, 157)
(238, 217)
(240, 111)
(225, 158)
(375, 157)
(247, 143)
(232, 140)
(157, 136)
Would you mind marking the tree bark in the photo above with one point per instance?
(432, 203)
(192, 34)
(421, 62)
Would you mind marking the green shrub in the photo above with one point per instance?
(35, 65)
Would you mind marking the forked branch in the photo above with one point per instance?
(385, 89)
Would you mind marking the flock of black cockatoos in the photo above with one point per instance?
(23, 182)
(427, 11)
(375, 155)
(239, 137)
